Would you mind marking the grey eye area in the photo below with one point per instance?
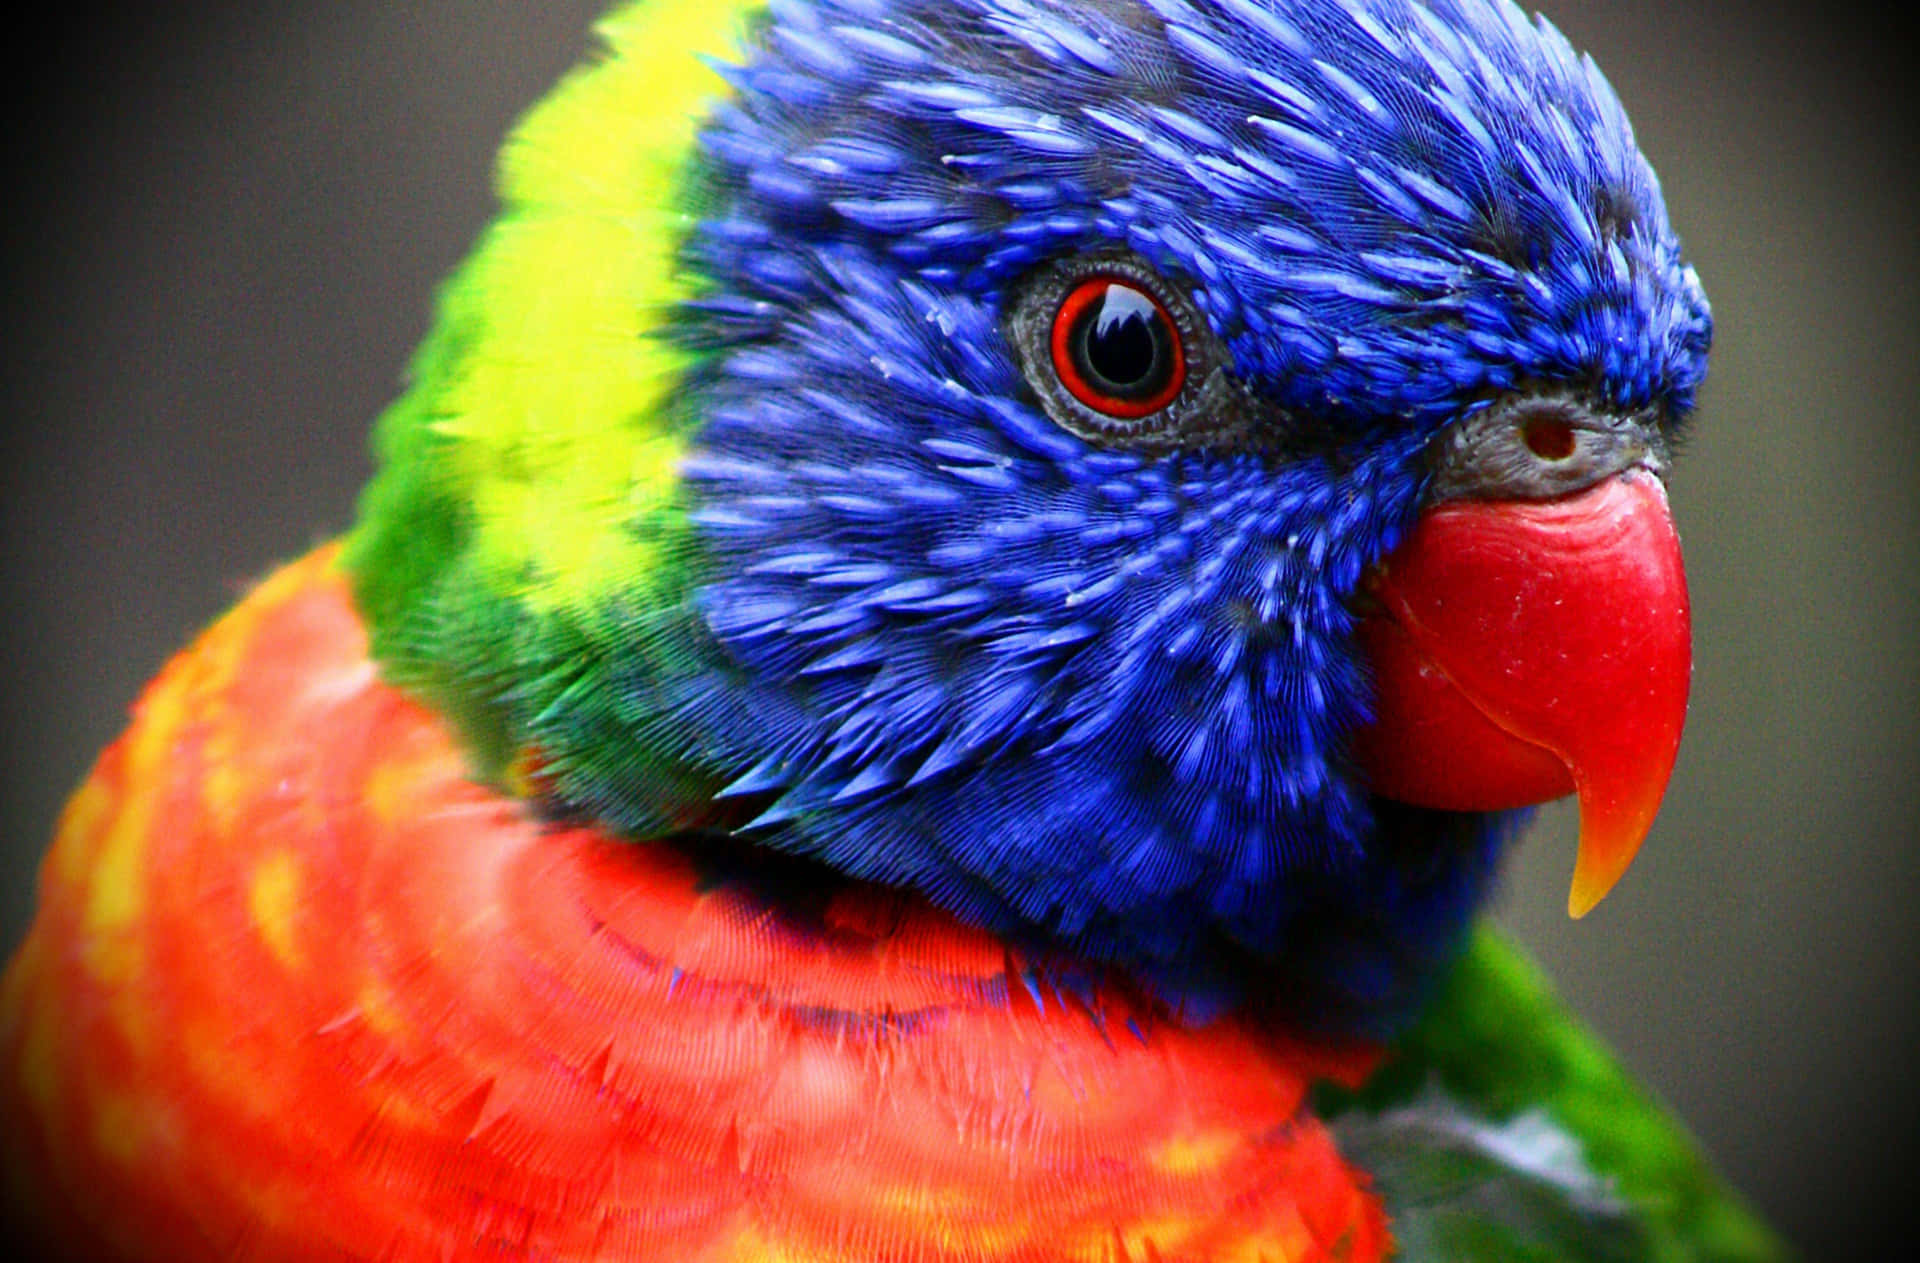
(1117, 353)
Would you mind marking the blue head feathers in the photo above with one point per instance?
(1101, 690)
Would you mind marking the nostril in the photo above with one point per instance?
(1549, 438)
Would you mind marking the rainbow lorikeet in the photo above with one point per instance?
(949, 634)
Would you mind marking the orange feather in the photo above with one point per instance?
(299, 989)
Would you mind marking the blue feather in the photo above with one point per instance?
(1099, 696)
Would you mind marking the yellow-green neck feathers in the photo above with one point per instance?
(536, 447)
(525, 516)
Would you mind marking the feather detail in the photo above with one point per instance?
(300, 988)
(723, 493)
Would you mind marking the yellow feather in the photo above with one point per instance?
(555, 414)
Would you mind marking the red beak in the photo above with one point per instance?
(1525, 650)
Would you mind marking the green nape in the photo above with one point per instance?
(526, 517)
(1497, 1043)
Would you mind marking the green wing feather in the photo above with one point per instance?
(1502, 1129)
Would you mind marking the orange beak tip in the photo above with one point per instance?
(1586, 893)
(1610, 836)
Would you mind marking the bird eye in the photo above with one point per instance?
(1116, 349)
(1119, 353)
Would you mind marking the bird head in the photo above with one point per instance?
(1133, 469)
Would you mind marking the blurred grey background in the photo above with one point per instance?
(227, 223)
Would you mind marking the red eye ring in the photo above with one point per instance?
(1116, 348)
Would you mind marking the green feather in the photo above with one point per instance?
(525, 519)
(1611, 1173)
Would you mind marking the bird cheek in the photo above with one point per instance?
(1523, 650)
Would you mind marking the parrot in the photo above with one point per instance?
(951, 628)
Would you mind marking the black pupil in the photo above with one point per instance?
(1123, 345)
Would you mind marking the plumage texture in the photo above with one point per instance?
(1502, 1051)
(299, 989)
(754, 786)
(890, 615)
